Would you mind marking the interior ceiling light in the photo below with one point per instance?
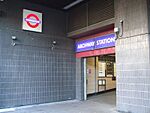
(72, 4)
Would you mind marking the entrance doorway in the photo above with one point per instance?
(100, 74)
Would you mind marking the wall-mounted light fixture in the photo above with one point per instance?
(14, 38)
(119, 30)
(1, 0)
(53, 44)
(73, 4)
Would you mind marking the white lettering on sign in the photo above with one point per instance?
(105, 41)
(84, 45)
(96, 43)
(32, 20)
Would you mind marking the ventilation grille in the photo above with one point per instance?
(100, 10)
(77, 18)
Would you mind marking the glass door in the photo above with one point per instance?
(91, 78)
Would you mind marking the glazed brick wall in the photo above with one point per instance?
(31, 72)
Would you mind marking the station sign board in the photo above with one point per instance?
(96, 43)
(32, 21)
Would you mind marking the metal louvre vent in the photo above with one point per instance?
(89, 13)
(77, 18)
(100, 10)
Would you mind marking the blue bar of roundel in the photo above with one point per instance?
(105, 41)
(82, 45)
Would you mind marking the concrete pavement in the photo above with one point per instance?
(104, 103)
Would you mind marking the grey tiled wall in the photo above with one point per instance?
(133, 57)
(79, 78)
(133, 80)
(32, 73)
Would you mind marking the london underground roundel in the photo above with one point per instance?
(32, 21)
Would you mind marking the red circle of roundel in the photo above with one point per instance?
(36, 17)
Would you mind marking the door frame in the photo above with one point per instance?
(85, 75)
(85, 79)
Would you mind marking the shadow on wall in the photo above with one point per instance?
(2, 14)
(124, 112)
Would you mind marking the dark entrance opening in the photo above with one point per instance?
(100, 74)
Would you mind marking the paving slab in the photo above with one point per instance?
(104, 103)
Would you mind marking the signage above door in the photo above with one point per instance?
(96, 43)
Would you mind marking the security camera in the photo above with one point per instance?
(116, 29)
(121, 21)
